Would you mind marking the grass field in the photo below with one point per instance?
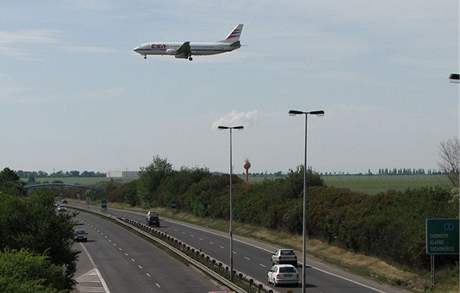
(372, 184)
(77, 180)
(376, 184)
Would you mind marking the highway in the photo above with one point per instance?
(129, 263)
(252, 260)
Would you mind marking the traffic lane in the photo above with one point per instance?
(114, 268)
(160, 269)
(248, 259)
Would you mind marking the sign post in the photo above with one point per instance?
(441, 239)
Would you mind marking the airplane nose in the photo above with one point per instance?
(137, 50)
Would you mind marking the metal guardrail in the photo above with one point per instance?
(203, 261)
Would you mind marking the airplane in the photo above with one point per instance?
(185, 50)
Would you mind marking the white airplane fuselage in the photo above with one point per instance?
(187, 49)
(196, 48)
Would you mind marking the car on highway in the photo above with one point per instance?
(152, 219)
(284, 256)
(80, 235)
(61, 208)
(283, 275)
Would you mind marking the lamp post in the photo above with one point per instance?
(304, 226)
(231, 212)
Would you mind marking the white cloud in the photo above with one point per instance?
(235, 118)
(13, 44)
(29, 36)
(88, 49)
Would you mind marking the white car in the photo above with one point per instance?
(283, 274)
(284, 256)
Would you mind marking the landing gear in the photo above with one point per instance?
(190, 58)
(145, 57)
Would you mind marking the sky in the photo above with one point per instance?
(73, 94)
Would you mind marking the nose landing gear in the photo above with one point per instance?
(190, 58)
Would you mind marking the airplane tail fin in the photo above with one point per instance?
(234, 35)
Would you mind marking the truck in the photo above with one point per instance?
(284, 256)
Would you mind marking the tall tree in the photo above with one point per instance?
(450, 158)
(151, 177)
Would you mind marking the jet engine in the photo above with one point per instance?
(171, 52)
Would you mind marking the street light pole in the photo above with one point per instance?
(304, 229)
(231, 211)
(230, 231)
(304, 214)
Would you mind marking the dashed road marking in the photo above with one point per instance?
(262, 265)
(126, 254)
(140, 267)
(221, 246)
(247, 258)
(201, 239)
(133, 260)
(120, 249)
(148, 275)
(158, 285)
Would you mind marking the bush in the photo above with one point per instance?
(25, 272)
(32, 223)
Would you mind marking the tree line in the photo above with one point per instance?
(35, 242)
(71, 173)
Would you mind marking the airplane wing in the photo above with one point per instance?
(184, 50)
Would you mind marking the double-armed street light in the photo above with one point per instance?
(231, 212)
(304, 227)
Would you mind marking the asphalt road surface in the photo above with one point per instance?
(250, 259)
(129, 263)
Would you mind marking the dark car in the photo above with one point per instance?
(153, 219)
(80, 235)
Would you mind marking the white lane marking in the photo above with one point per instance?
(140, 267)
(133, 260)
(201, 239)
(114, 244)
(148, 275)
(104, 284)
(247, 258)
(262, 265)
(234, 252)
(120, 249)
(110, 240)
(261, 248)
(221, 246)
(183, 232)
(126, 254)
(158, 285)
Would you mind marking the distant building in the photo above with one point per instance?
(123, 174)
(130, 174)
